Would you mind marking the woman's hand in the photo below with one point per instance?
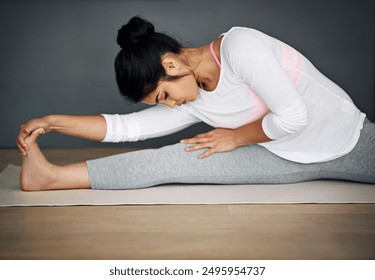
(217, 140)
(27, 128)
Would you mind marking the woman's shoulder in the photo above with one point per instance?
(238, 34)
(240, 40)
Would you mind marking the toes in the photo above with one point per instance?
(39, 131)
(35, 134)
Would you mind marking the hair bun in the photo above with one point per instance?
(137, 29)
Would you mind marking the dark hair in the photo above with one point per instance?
(138, 64)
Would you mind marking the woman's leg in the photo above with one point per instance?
(172, 164)
(359, 164)
(38, 174)
(247, 165)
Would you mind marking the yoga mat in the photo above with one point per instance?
(320, 191)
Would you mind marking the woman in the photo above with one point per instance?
(253, 88)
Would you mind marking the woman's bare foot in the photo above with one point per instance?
(37, 173)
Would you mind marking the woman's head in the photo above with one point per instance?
(148, 67)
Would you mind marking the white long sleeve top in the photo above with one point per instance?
(308, 117)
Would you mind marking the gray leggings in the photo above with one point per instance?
(252, 164)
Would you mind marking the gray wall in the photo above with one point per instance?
(56, 57)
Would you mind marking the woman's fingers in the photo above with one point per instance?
(22, 151)
(25, 131)
(207, 153)
(189, 141)
(201, 141)
(20, 142)
(22, 146)
(200, 138)
(210, 146)
(33, 136)
(198, 147)
(211, 149)
(217, 140)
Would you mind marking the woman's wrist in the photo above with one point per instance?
(251, 133)
(240, 138)
(49, 121)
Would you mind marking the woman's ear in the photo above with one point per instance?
(171, 66)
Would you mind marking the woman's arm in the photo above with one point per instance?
(257, 66)
(87, 127)
(251, 133)
(153, 122)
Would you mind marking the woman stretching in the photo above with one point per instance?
(277, 119)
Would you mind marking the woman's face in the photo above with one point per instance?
(172, 93)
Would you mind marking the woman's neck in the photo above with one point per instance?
(203, 66)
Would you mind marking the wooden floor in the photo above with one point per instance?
(299, 231)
